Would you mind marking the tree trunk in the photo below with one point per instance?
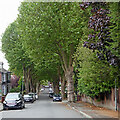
(25, 80)
(30, 81)
(31, 87)
(70, 86)
(56, 86)
(63, 87)
(37, 88)
(66, 62)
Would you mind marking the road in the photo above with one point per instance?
(43, 108)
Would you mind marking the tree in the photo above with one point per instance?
(58, 37)
(17, 57)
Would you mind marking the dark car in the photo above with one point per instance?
(13, 100)
(28, 98)
(51, 95)
(57, 97)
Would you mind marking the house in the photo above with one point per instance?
(5, 77)
(1, 65)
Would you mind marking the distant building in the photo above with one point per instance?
(5, 77)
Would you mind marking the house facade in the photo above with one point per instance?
(1, 66)
(5, 77)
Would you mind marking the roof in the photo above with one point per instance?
(3, 70)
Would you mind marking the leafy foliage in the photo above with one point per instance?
(94, 77)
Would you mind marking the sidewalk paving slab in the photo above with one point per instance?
(92, 111)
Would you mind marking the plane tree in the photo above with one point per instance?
(55, 29)
(19, 62)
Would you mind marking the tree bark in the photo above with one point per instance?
(37, 87)
(56, 86)
(25, 79)
(30, 81)
(63, 87)
(66, 62)
(70, 86)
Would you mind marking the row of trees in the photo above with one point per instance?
(46, 42)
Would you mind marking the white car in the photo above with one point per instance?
(36, 95)
(42, 89)
(50, 90)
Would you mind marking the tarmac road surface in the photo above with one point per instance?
(43, 108)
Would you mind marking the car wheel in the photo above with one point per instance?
(21, 107)
(24, 105)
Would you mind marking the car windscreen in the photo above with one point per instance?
(57, 95)
(31, 95)
(12, 96)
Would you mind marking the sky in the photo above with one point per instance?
(8, 13)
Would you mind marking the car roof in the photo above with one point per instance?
(26, 95)
(13, 93)
(31, 93)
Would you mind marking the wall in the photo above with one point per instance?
(108, 102)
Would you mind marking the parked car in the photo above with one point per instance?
(36, 95)
(47, 86)
(42, 89)
(13, 100)
(32, 95)
(51, 91)
(28, 98)
(51, 95)
(57, 97)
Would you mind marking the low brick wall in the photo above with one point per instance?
(108, 102)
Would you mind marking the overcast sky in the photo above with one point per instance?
(8, 13)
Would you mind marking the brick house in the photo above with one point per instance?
(5, 77)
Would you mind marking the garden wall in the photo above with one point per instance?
(107, 102)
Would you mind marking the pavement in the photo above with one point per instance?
(1, 107)
(91, 111)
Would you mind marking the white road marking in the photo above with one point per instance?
(88, 116)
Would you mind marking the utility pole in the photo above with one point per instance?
(115, 96)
